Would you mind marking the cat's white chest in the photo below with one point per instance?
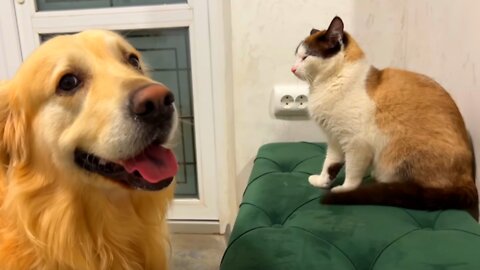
(344, 110)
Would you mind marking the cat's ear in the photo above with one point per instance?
(314, 31)
(334, 33)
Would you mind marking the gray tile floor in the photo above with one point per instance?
(197, 251)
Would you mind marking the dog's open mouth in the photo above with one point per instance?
(153, 169)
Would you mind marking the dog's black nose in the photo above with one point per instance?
(152, 104)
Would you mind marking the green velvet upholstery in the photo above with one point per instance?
(282, 226)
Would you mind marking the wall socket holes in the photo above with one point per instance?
(301, 101)
(290, 101)
(287, 101)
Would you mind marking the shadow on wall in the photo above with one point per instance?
(243, 173)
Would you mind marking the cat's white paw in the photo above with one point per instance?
(343, 188)
(322, 181)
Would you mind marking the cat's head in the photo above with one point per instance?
(324, 52)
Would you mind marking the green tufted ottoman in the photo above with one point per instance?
(281, 225)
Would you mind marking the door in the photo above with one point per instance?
(173, 36)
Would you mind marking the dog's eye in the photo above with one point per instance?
(68, 83)
(134, 61)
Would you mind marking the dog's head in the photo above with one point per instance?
(83, 104)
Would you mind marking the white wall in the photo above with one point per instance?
(10, 55)
(3, 64)
(436, 37)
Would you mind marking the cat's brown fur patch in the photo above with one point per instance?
(409, 195)
(409, 105)
(353, 52)
(315, 46)
(334, 169)
(428, 154)
(422, 154)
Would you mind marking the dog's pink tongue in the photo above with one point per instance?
(154, 164)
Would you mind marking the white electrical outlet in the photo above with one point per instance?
(290, 100)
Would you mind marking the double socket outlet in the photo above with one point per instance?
(290, 100)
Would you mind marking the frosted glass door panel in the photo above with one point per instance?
(167, 54)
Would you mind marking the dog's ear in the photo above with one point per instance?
(13, 149)
(3, 121)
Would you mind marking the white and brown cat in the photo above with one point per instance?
(402, 125)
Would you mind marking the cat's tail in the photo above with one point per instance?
(409, 195)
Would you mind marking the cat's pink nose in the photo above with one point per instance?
(293, 69)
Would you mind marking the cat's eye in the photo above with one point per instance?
(305, 57)
(134, 61)
(68, 84)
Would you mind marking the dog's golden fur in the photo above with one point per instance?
(53, 215)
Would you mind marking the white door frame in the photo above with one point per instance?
(193, 15)
(222, 84)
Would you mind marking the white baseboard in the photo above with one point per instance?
(194, 226)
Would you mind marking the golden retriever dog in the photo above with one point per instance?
(86, 173)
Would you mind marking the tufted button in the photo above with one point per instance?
(277, 226)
